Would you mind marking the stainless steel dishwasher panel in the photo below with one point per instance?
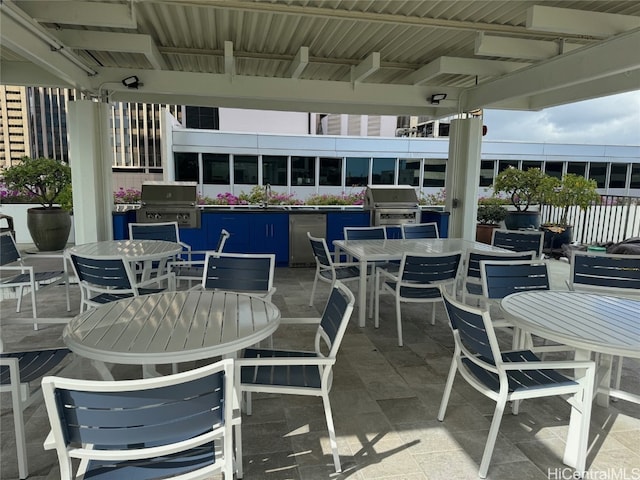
(300, 253)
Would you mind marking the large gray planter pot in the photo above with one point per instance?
(522, 220)
(49, 227)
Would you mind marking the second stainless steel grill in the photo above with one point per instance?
(170, 202)
(392, 205)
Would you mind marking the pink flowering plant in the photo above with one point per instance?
(129, 195)
(10, 195)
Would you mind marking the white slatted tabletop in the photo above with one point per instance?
(586, 321)
(171, 327)
(393, 249)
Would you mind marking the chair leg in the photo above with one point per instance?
(448, 387)
(238, 451)
(616, 382)
(433, 313)
(376, 305)
(332, 432)
(19, 303)
(313, 289)
(399, 320)
(491, 439)
(18, 420)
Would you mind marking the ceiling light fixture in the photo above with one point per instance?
(436, 98)
(131, 82)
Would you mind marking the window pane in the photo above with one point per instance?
(635, 176)
(215, 169)
(357, 172)
(331, 171)
(303, 171)
(504, 164)
(186, 165)
(486, 173)
(409, 172)
(274, 169)
(526, 165)
(618, 176)
(434, 173)
(598, 172)
(384, 171)
(245, 169)
(553, 169)
(577, 168)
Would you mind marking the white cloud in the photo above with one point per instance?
(613, 120)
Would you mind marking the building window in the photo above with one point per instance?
(330, 172)
(434, 173)
(635, 176)
(274, 170)
(618, 175)
(383, 171)
(186, 165)
(577, 168)
(504, 164)
(303, 171)
(409, 172)
(598, 172)
(553, 169)
(486, 172)
(245, 169)
(527, 165)
(215, 169)
(357, 172)
(202, 117)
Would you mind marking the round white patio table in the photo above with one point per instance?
(587, 322)
(170, 327)
(146, 251)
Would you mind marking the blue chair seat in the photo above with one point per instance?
(341, 273)
(408, 292)
(519, 380)
(112, 297)
(37, 276)
(33, 365)
(289, 375)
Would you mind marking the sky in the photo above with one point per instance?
(612, 120)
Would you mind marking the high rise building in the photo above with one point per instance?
(14, 136)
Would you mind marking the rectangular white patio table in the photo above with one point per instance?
(393, 249)
(587, 322)
(170, 327)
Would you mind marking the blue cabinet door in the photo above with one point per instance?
(270, 234)
(336, 221)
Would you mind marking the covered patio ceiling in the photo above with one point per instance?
(327, 56)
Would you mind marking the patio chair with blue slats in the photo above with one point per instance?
(302, 372)
(327, 270)
(20, 372)
(608, 274)
(250, 273)
(106, 279)
(514, 376)
(192, 270)
(420, 230)
(17, 275)
(175, 426)
(418, 281)
(519, 240)
(470, 279)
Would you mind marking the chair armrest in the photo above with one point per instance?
(551, 365)
(346, 264)
(17, 268)
(300, 321)
(49, 442)
(386, 273)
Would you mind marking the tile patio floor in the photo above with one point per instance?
(385, 400)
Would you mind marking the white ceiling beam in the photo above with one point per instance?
(31, 43)
(299, 63)
(283, 94)
(579, 22)
(463, 66)
(112, 42)
(493, 46)
(27, 73)
(577, 69)
(97, 14)
(229, 61)
(367, 67)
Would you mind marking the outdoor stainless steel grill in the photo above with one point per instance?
(169, 202)
(392, 205)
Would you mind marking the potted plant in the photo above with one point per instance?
(571, 190)
(49, 182)
(522, 188)
(491, 212)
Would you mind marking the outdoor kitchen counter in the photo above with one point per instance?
(256, 229)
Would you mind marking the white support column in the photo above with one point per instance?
(90, 161)
(463, 173)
